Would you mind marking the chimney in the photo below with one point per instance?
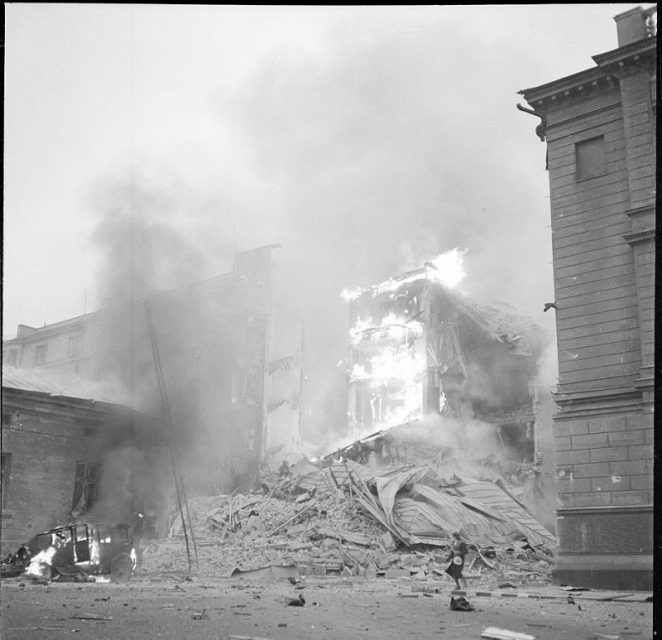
(631, 25)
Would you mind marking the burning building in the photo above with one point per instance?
(419, 348)
(599, 126)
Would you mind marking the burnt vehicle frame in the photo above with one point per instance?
(89, 549)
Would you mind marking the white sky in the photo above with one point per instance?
(287, 125)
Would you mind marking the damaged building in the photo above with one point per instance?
(419, 348)
(199, 358)
(60, 452)
(599, 128)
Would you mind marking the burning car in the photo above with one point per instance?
(15, 563)
(80, 550)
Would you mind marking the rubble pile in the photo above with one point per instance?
(346, 519)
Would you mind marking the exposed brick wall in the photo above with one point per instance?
(45, 444)
(43, 465)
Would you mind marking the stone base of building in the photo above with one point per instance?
(607, 547)
(631, 572)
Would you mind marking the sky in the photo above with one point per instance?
(363, 140)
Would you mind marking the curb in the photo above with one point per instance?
(488, 594)
(533, 596)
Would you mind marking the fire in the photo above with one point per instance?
(391, 327)
(390, 368)
(449, 267)
(350, 294)
(390, 359)
(39, 564)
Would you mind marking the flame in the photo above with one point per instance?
(390, 359)
(39, 562)
(391, 327)
(94, 551)
(350, 294)
(390, 367)
(449, 267)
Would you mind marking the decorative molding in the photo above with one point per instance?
(608, 510)
(633, 56)
(605, 76)
(640, 211)
(592, 403)
(636, 237)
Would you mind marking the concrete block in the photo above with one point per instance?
(609, 453)
(611, 483)
(608, 423)
(592, 441)
(567, 499)
(562, 443)
(647, 420)
(592, 469)
(641, 482)
(571, 428)
(640, 452)
(631, 436)
(642, 496)
(573, 457)
(593, 499)
(577, 485)
(628, 467)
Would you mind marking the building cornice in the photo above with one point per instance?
(609, 510)
(578, 85)
(636, 237)
(636, 53)
(592, 403)
(591, 81)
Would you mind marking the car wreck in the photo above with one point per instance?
(78, 552)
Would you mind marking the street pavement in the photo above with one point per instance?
(169, 607)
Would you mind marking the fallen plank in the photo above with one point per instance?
(294, 517)
(503, 634)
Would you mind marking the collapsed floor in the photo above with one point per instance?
(347, 519)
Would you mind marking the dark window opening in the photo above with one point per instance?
(5, 471)
(85, 486)
(517, 441)
(590, 158)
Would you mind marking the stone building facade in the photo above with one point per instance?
(599, 126)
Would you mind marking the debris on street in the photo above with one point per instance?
(503, 634)
(346, 519)
(460, 603)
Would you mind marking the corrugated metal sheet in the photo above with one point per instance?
(490, 495)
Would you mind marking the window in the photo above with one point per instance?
(590, 158)
(4, 477)
(85, 486)
(11, 357)
(41, 354)
(74, 346)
